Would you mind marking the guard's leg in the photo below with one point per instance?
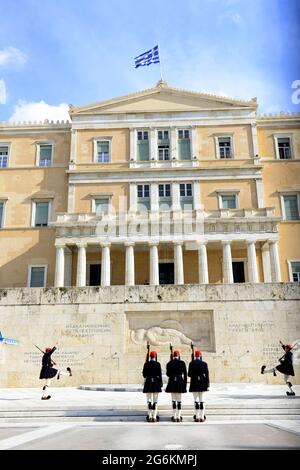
(268, 371)
(155, 406)
(45, 389)
(197, 406)
(179, 417)
(202, 408)
(290, 392)
(149, 406)
(173, 396)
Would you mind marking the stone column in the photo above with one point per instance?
(154, 265)
(227, 263)
(153, 144)
(154, 198)
(81, 266)
(252, 263)
(174, 144)
(178, 263)
(133, 144)
(60, 266)
(202, 262)
(265, 254)
(129, 265)
(274, 260)
(175, 197)
(194, 143)
(105, 265)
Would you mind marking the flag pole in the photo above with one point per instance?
(160, 63)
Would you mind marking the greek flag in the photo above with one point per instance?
(147, 58)
(8, 340)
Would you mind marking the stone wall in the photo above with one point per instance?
(102, 332)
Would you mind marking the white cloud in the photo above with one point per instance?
(39, 111)
(2, 92)
(12, 55)
(231, 15)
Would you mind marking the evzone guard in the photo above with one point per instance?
(177, 373)
(48, 372)
(153, 384)
(199, 374)
(285, 367)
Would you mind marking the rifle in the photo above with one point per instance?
(171, 353)
(148, 352)
(54, 363)
(283, 345)
(192, 348)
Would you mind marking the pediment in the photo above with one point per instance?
(162, 99)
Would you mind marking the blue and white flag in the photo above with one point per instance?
(8, 340)
(147, 58)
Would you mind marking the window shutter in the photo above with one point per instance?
(37, 277)
(41, 214)
(291, 208)
(184, 151)
(143, 150)
(228, 202)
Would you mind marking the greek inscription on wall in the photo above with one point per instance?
(271, 353)
(82, 330)
(245, 327)
(61, 358)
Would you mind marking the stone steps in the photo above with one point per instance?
(137, 413)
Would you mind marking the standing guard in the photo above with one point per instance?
(285, 367)
(48, 372)
(176, 371)
(153, 384)
(199, 374)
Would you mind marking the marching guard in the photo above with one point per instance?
(199, 374)
(153, 384)
(48, 372)
(285, 367)
(177, 373)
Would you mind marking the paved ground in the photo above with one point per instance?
(33, 428)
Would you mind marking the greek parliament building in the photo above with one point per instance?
(166, 215)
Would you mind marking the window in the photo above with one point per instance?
(4, 156)
(295, 271)
(143, 197)
(186, 196)
(164, 192)
(284, 148)
(224, 144)
(1, 214)
(184, 148)
(291, 207)
(163, 145)
(102, 205)
(37, 276)
(142, 145)
(228, 201)
(103, 151)
(41, 214)
(45, 154)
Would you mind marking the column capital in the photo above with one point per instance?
(178, 243)
(60, 245)
(81, 245)
(105, 244)
(200, 243)
(249, 242)
(153, 243)
(129, 243)
(272, 241)
(226, 242)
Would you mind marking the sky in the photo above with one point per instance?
(56, 52)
